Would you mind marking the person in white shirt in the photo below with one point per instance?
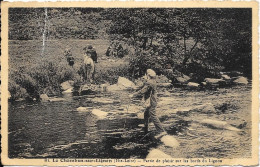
(89, 68)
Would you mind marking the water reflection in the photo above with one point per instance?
(56, 129)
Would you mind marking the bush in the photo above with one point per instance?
(16, 91)
(43, 78)
(145, 59)
(111, 75)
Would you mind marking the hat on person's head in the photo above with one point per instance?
(88, 53)
(67, 49)
(90, 47)
(151, 73)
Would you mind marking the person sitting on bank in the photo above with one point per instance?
(149, 93)
(69, 57)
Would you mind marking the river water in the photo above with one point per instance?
(57, 129)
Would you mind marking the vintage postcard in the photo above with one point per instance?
(129, 83)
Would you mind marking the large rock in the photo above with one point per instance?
(67, 85)
(122, 84)
(183, 78)
(165, 85)
(182, 111)
(162, 79)
(155, 153)
(84, 109)
(241, 81)
(213, 80)
(44, 97)
(115, 87)
(204, 108)
(103, 87)
(88, 89)
(100, 114)
(218, 124)
(70, 90)
(125, 83)
(225, 77)
(57, 99)
(169, 141)
(233, 73)
(193, 85)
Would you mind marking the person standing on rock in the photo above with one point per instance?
(149, 92)
(89, 68)
(93, 54)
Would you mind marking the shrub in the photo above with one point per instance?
(111, 75)
(43, 78)
(16, 91)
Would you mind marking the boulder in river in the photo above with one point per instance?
(100, 114)
(156, 153)
(103, 87)
(204, 108)
(225, 77)
(241, 81)
(213, 83)
(83, 109)
(213, 80)
(70, 90)
(67, 85)
(232, 73)
(193, 85)
(88, 89)
(169, 141)
(162, 79)
(218, 125)
(183, 79)
(115, 87)
(57, 99)
(165, 85)
(44, 97)
(125, 83)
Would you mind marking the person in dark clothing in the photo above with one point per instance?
(149, 91)
(108, 52)
(93, 52)
(70, 58)
(120, 51)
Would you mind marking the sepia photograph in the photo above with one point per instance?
(129, 85)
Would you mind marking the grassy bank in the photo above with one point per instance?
(35, 69)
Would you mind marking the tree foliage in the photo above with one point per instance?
(203, 41)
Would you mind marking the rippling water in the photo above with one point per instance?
(56, 129)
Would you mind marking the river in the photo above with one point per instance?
(58, 130)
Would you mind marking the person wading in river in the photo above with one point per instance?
(149, 93)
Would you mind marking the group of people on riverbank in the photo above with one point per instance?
(89, 60)
(148, 91)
